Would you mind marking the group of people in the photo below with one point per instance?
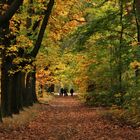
(64, 92)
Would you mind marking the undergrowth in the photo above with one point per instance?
(121, 117)
(127, 113)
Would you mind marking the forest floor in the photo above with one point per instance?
(65, 118)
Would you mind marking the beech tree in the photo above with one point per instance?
(18, 86)
(105, 52)
(8, 9)
(137, 18)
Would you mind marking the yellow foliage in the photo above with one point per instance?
(134, 44)
(135, 65)
(1, 47)
(64, 19)
(117, 95)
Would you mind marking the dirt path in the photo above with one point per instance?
(66, 119)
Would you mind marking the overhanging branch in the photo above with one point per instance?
(37, 46)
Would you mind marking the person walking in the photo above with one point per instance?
(71, 91)
(61, 92)
(65, 92)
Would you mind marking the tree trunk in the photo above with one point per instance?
(37, 46)
(120, 49)
(23, 87)
(6, 89)
(6, 78)
(29, 96)
(137, 55)
(34, 86)
(15, 4)
(17, 94)
(137, 14)
(0, 115)
(14, 90)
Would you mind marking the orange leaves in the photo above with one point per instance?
(67, 118)
(134, 44)
(45, 77)
(66, 17)
(71, 24)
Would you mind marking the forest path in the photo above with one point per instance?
(65, 118)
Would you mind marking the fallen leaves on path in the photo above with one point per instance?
(66, 119)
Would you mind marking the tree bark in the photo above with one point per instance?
(5, 78)
(0, 116)
(136, 6)
(14, 92)
(120, 48)
(37, 46)
(31, 79)
(34, 85)
(10, 12)
(8, 89)
(29, 96)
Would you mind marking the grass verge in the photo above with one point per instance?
(21, 119)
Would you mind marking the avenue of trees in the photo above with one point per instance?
(22, 27)
(106, 50)
(91, 45)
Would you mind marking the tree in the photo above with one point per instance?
(14, 6)
(9, 10)
(137, 18)
(65, 18)
(13, 65)
(106, 44)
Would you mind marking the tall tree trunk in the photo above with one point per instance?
(120, 49)
(14, 99)
(17, 96)
(34, 85)
(0, 115)
(137, 15)
(6, 79)
(31, 79)
(5, 18)
(31, 87)
(29, 95)
(1, 43)
(37, 46)
(0, 84)
(137, 55)
(21, 90)
(6, 88)
(24, 91)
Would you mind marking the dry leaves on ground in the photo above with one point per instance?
(66, 119)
